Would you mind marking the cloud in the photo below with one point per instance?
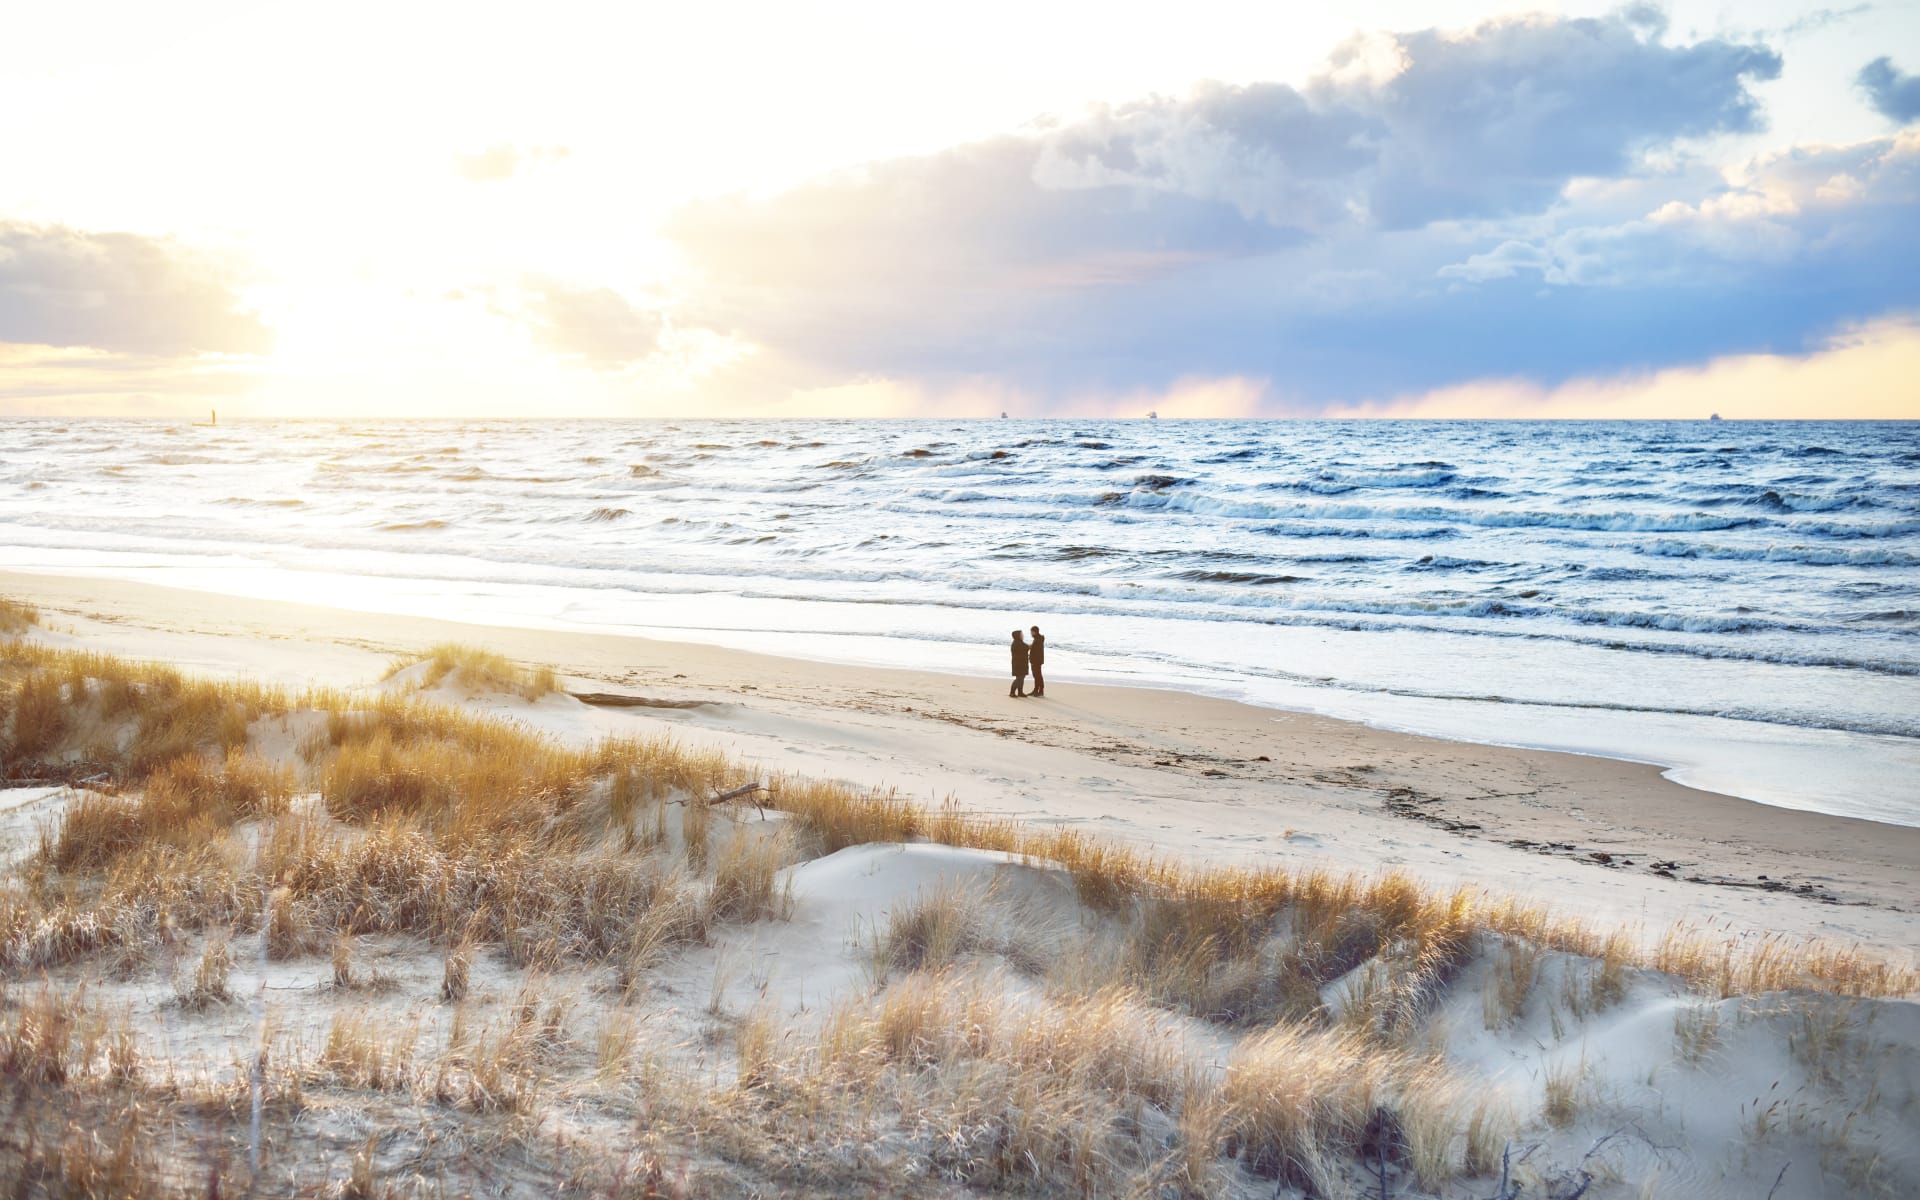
(504, 161)
(595, 325)
(120, 292)
(1237, 231)
(1401, 130)
(1815, 214)
(1864, 373)
(1499, 120)
(1892, 91)
(1823, 18)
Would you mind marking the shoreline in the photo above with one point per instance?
(1691, 735)
(1190, 775)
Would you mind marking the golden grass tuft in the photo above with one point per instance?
(1298, 1092)
(1563, 1084)
(477, 670)
(1490, 1129)
(1696, 1033)
(17, 616)
(746, 877)
(37, 1044)
(456, 973)
(209, 983)
(184, 802)
(116, 1160)
(368, 1051)
(1510, 981)
(40, 710)
(933, 930)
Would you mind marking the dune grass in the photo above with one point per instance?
(436, 789)
(17, 616)
(1073, 1069)
(476, 669)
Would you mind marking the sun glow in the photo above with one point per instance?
(432, 210)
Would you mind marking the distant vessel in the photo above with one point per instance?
(1003, 416)
(1714, 417)
(1153, 414)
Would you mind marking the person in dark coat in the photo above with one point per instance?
(1037, 655)
(1019, 665)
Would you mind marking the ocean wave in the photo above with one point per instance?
(1863, 529)
(609, 514)
(1813, 556)
(1236, 577)
(1771, 500)
(1418, 475)
(413, 526)
(1159, 483)
(1443, 562)
(1411, 533)
(1205, 504)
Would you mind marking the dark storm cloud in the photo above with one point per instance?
(1892, 91)
(119, 292)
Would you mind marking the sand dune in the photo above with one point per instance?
(803, 1003)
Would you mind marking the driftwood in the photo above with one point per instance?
(617, 700)
(91, 775)
(745, 789)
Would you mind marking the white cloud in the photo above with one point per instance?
(120, 292)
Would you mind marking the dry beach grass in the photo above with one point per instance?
(379, 944)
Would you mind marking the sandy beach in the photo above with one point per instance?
(461, 921)
(1190, 776)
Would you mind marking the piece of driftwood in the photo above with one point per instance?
(745, 791)
(616, 700)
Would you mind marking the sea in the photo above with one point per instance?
(1738, 602)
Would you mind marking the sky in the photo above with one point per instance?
(1206, 209)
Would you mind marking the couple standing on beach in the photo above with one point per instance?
(1027, 655)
